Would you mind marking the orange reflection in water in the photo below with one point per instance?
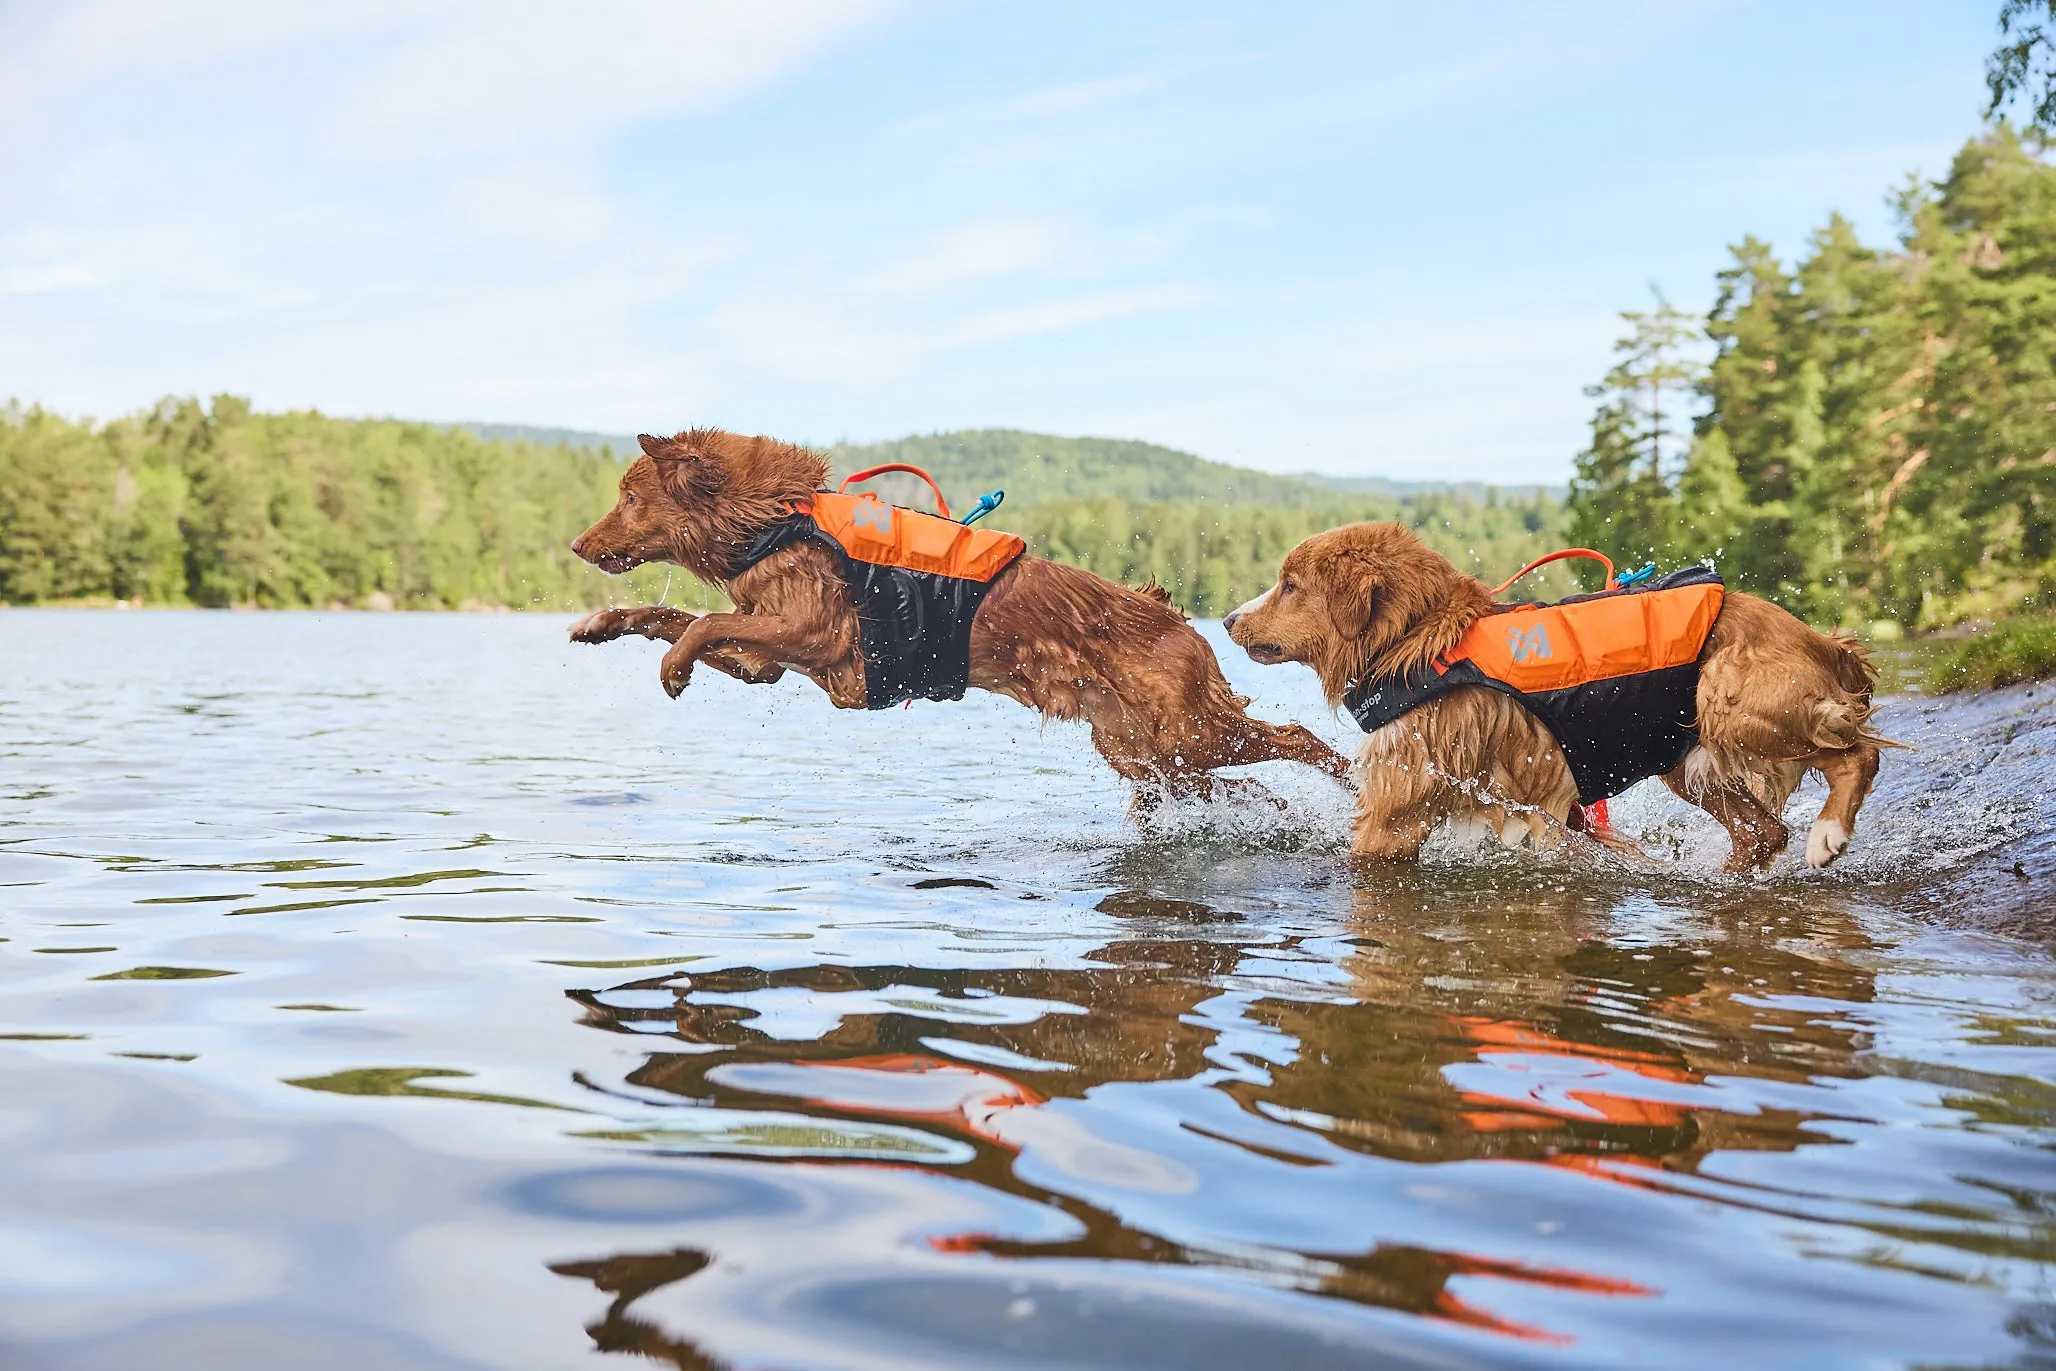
(1566, 1080)
(1448, 1306)
(922, 1089)
(907, 1085)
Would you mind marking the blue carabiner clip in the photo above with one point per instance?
(986, 504)
(1634, 577)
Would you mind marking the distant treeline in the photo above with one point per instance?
(1213, 557)
(218, 505)
(1875, 437)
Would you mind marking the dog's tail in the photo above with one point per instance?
(1152, 589)
(1844, 721)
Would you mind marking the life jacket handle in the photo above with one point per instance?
(1612, 581)
(941, 505)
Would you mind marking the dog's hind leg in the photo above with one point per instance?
(1249, 740)
(1120, 743)
(1849, 775)
(1755, 834)
(1210, 727)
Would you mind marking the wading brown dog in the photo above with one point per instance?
(1756, 700)
(1057, 639)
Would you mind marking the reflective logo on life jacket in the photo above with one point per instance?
(869, 514)
(1532, 644)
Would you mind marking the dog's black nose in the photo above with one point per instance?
(1227, 623)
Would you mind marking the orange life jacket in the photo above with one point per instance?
(1614, 676)
(889, 535)
(916, 581)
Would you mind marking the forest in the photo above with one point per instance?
(1867, 436)
(218, 505)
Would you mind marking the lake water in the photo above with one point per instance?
(416, 991)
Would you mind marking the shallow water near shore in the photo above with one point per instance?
(424, 991)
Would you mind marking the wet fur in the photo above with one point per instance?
(1776, 700)
(1059, 640)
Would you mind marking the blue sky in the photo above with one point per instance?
(1374, 238)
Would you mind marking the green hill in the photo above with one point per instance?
(620, 444)
(1383, 485)
(1035, 468)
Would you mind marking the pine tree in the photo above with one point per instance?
(1621, 491)
(1712, 510)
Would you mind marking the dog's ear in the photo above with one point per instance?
(691, 474)
(1352, 596)
(653, 445)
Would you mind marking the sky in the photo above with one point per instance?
(1371, 239)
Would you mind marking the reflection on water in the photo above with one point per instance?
(438, 996)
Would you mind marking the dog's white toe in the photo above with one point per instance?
(1825, 843)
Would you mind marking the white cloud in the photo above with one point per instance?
(547, 206)
(50, 51)
(54, 276)
(477, 75)
(1494, 66)
(832, 338)
(975, 252)
(1066, 314)
(446, 76)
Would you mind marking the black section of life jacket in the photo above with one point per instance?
(1613, 732)
(914, 627)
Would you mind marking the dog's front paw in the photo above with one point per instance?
(600, 626)
(1827, 841)
(677, 673)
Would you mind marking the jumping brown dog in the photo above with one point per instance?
(1775, 700)
(1059, 640)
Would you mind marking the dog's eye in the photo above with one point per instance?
(1287, 586)
(628, 497)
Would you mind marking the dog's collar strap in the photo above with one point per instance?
(1377, 701)
(772, 537)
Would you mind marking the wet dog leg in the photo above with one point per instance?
(1849, 775)
(1253, 740)
(1384, 835)
(668, 625)
(1755, 834)
(1151, 779)
(765, 637)
(1401, 800)
(648, 621)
